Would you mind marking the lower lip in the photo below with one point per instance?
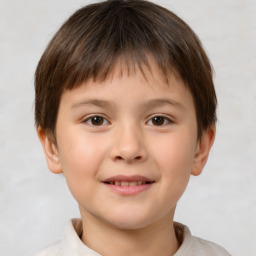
(129, 190)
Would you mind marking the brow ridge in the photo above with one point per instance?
(96, 102)
(148, 104)
(163, 101)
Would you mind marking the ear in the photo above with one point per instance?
(50, 151)
(203, 149)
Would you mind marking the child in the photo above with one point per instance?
(125, 108)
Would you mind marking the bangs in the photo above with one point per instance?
(123, 64)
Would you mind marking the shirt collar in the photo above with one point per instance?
(73, 245)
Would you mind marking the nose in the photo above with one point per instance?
(128, 146)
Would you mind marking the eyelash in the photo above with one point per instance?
(165, 120)
(103, 121)
(89, 119)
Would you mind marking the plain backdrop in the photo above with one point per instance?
(219, 205)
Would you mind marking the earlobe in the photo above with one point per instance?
(203, 150)
(50, 151)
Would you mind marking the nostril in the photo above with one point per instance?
(123, 158)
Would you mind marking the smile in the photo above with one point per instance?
(128, 185)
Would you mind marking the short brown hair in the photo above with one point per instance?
(94, 38)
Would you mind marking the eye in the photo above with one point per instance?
(159, 121)
(96, 121)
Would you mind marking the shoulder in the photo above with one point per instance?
(194, 246)
(210, 248)
(54, 249)
(70, 244)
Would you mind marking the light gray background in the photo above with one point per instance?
(219, 205)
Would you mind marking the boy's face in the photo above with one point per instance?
(127, 147)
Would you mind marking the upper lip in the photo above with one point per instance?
(128, 178)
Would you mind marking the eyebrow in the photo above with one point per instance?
(158, 102)
(148, 104)
(99, 103)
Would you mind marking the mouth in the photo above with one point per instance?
(128, 185)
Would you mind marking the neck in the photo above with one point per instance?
(156, 239)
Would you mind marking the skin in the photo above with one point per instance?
(128, 141)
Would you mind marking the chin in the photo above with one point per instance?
(129, 225)
(129, 221)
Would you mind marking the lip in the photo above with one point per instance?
(128, 178)
(127, 190)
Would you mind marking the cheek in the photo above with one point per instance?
(174, 157)
(175, 152)
(81, 160)
(80, 156)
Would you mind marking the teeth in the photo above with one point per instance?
(127, 183)
(133, 183)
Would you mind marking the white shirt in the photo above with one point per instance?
(71, 244)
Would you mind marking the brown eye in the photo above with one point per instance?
(158, 120)
(96, 121)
